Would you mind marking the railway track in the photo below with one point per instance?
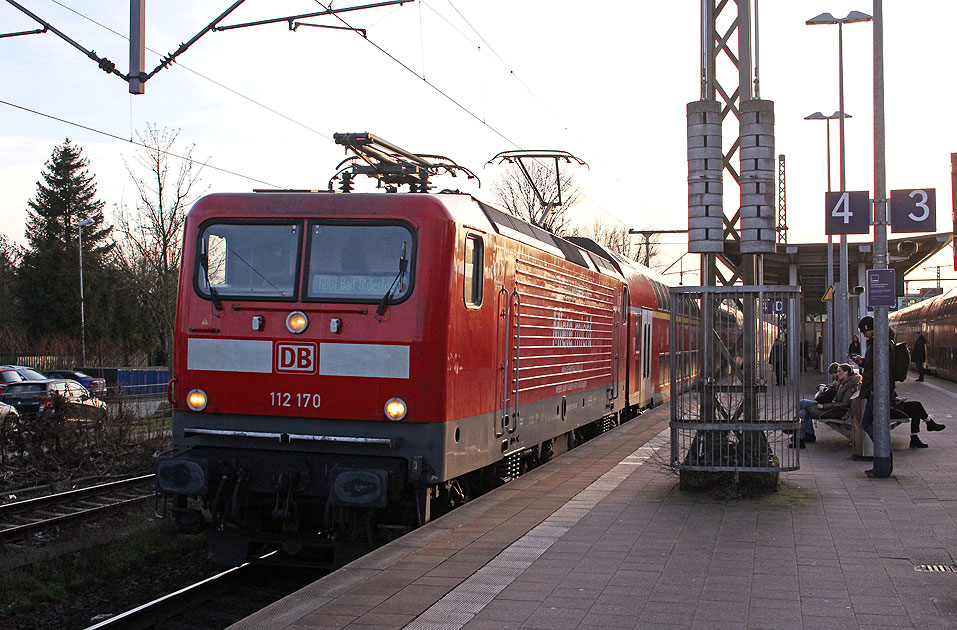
(217, 601)
(29, 516)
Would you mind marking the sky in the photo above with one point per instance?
(607, 81)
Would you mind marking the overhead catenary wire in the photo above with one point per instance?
(201, 75)
(445, 95)
(139, 144)
(541, 103)
(480, 119)
(472, 114)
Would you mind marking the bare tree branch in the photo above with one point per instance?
(616, 237)
(152, 230)
(517, 195)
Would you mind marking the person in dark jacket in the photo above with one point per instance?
(825, 394)
(855, 347)
(866, 326)
(919, 355)
(847, 382)
(914, 410)
(778, 361)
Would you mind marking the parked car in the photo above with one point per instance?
(7, 410)
(48, 397)
(11, 427)
(28, 373)
(97, 386)
(7, 376)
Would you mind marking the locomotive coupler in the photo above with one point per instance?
(285, 507)
(157, 511)
(217, 506)
(237, 504)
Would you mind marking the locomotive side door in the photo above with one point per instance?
(645, 384)
(620, 311)
(506, 343)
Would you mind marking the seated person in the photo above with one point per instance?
(848, 382)
(825, 393)
(914, 410)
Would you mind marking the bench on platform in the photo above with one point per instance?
(847, 422)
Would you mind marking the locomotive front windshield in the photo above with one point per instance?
(358, 262)
(256, 261)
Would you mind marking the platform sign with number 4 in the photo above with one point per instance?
(848, 212)
(914, 210)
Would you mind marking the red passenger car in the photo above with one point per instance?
(936, 319)
(346, 364)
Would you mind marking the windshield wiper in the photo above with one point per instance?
(204, 263)
(403, 265)
(215, 296)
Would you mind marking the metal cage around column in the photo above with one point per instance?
(735, 378)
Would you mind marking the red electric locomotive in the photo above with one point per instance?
(347, 363)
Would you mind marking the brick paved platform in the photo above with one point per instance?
(602, 538)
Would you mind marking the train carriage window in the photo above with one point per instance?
(359, 262)
(248, 260)
(474, 270)
(660, 292)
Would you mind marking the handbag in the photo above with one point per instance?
(825, 395)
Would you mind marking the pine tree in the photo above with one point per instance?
(48, 278)
(11, 332)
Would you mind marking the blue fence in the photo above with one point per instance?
(142, 381)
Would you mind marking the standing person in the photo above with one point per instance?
(919, 355)
(819, 349)
(855, 347)
(778, 361)
(866, 326)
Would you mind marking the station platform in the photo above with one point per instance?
(602, 537)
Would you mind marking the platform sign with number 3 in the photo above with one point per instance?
(914, 210)
(848, 212)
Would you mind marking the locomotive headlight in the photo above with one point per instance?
(395, 409)
(196, 400)
(296, 322)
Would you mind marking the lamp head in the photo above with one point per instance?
(824, 18)
(856, 16)
(907, 248)
(816, 116)
(84, 222)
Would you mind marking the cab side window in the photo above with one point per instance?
(474, 267)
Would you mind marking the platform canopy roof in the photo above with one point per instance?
(811, 261)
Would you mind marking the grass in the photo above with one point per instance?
(65, 577)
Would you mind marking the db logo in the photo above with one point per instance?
(296, 357)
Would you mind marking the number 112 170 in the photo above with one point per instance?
(301, 400)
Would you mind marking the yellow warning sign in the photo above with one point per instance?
(829, 294)
(205, 323)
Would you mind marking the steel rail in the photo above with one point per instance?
(39, 505)
(61, 497)
(163, 608)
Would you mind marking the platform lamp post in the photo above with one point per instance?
(79, 237)
(883, 457)
(840, 297)
(829, 329)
